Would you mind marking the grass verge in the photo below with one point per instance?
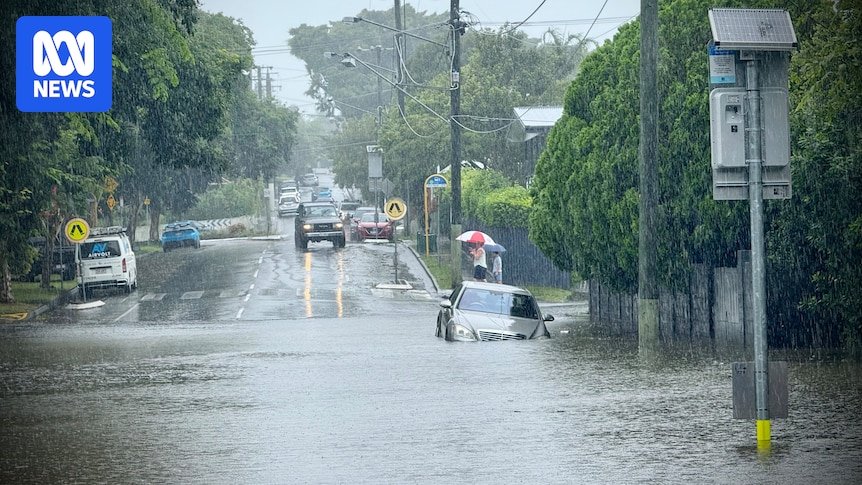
(29, 296)
(441, 270)
(550, 294)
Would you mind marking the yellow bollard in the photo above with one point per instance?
(763, 434)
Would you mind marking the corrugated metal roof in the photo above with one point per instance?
(538, 116)
(531, 121)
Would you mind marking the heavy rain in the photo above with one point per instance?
(430, 242)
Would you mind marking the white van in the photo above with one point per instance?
(106, 260)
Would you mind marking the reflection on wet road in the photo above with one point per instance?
(250, 362)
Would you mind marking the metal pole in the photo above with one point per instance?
(395, 239)
(399, 52)
(758, 254)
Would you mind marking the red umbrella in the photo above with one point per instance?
(475, 237)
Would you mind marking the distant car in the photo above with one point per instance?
(288, 192)
(347, 207)
(478, 311)
(288, 204)
(354, 220)
(318, 221)
(180, 234)
(368, 229)
(308, 180)
(288, 184)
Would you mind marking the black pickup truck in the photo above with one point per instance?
(318, 221)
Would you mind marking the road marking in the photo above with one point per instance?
(260, 261)
(192, 295)
(251, 287)
(239, 313)
(153, 297)
(247, 296)
(126, 312)
(231, 293)
(255, 274)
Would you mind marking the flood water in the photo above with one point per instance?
(378, 399)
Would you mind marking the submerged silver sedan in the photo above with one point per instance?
(488, 311)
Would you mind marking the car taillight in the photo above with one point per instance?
(124, 265)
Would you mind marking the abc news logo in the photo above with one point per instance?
(63, 64)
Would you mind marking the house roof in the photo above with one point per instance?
(531, 121)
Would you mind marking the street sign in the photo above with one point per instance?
(146, 201)
(395, 208)
(111, 202)
(77, 230)
(111, 184)
(435, 181)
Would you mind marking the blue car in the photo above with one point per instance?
(324, 194)
(180, 234)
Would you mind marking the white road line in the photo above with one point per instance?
(251, 287)
(247, 296)
(255, 274)
(126, 312)
(239, 313)
(260, 261)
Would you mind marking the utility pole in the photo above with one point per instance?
(455, 161)
(379, 48)
(399, 52)
(259, 84)
(268, 84)
(648, 293)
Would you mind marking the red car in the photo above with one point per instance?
(368, 229)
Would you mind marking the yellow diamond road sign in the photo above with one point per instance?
(395, 208)
(77, 230)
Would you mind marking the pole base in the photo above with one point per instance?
(764, 432)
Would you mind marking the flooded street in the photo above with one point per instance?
(322, 378)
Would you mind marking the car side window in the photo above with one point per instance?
(523, 306)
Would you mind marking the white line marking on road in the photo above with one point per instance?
(247, 296)
(126, 312)
(260, 261)
(192, 295)
(251, 287)
(239, 313)
(255, 274)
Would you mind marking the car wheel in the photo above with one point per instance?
(448, 333)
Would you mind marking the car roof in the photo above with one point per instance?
(495, 287)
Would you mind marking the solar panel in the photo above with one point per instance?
(752, 29)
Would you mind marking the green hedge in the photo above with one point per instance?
(242, 197)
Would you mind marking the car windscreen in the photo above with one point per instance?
(327, 211)
(499, 302)
(180, 233)
(100, 249)
(369, 217)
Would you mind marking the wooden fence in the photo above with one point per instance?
(716, 307)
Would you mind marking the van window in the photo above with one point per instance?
(100, 249)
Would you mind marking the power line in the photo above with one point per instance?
(528, 17)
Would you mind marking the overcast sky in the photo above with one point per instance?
(270, 21)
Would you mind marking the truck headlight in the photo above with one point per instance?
(339, 225)
(306, 227)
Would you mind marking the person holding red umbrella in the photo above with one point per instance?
(480, 265)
